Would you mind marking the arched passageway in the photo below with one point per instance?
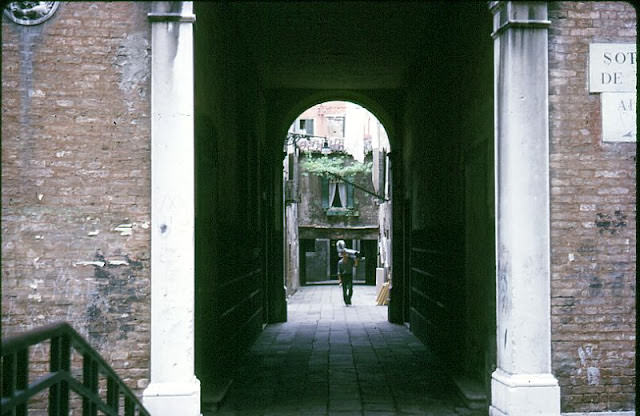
(429, 83)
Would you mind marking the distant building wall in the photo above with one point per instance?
(313, 214)
(593, 217)
(76, 178)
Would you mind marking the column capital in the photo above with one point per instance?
(171, 11)
(520, 14)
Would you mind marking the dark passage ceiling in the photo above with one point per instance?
(364, 45)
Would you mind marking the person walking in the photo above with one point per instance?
(345, 274)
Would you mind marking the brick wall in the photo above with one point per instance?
(593, 215)
(76, 178)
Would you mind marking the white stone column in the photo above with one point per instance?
(523, 384)
(174, 388)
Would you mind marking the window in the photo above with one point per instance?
(335, 126)
(306, 126)
(336, 194)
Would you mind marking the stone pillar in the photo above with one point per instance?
(523, 384)
(174, 388)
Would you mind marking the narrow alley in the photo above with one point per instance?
(329, 359)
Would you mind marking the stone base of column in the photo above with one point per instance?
(170, 399)
(524, 394)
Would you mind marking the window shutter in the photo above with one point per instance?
(324, 186)
(349, 195)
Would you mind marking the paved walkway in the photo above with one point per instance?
(330, 359)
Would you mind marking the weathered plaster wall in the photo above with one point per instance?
(447, 198)
(231, 196)
(593, 217)
(292, 254)
(76, 178)
(434, 196)
(312, 214)
(477, 128)
(384, 235)
(291, 238)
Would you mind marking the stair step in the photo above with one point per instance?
(211, 401)
(471, 391)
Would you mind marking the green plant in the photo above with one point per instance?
(341, 165)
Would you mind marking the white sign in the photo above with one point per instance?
(618, 116)
(612, 67)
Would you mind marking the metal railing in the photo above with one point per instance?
(17, 390)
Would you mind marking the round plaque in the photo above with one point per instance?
(30, 13)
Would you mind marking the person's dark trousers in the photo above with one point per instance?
(347, 288)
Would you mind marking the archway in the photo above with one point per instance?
(336, 180)
(284, 106)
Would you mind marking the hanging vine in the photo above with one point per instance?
(340, 165)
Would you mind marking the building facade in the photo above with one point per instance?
(142, 186)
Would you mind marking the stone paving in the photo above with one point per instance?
(330, 359)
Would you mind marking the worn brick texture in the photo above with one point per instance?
(593, 217)
(76, 179)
